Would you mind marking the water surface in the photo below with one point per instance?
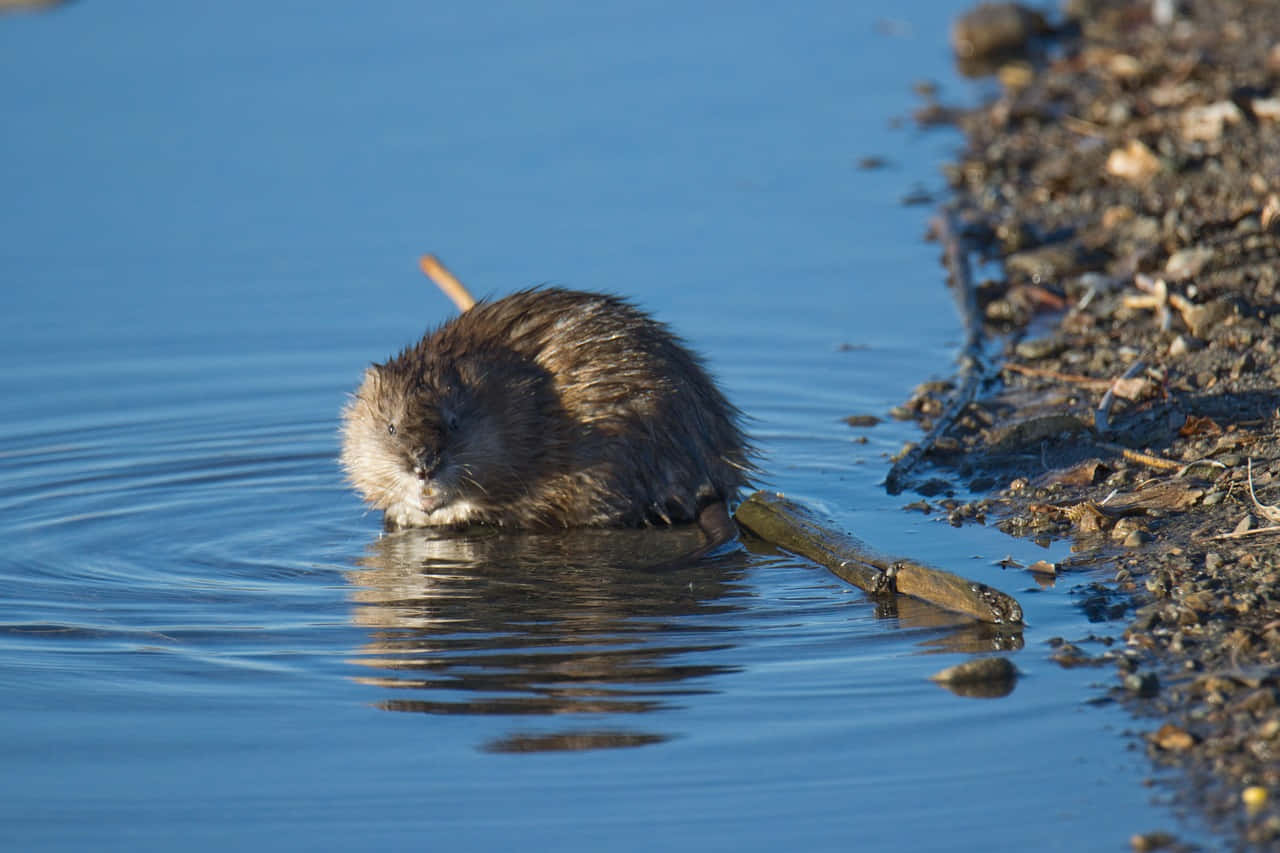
(211, 219)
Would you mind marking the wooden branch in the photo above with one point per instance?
(1073, 378)
(1240, 534)
(447, 282)
(1140, 457)
(793, 528)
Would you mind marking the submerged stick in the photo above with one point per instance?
(956, 252)
(447, 282)
(793, 528)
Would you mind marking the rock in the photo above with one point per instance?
(1254, 798)
(1203, 319)
(1207, 122)
(1266, 108)
(1136, 539)
(1187, 263)
(1173, 739)
(1148, 841)
(1269, 219)
(987, 677)
(1144, 685)
(1038, 348)
(995, 29)
(1046, 264)
(1134, 162)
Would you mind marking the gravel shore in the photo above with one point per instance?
(1124, 188)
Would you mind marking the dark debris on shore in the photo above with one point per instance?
(1126, 182)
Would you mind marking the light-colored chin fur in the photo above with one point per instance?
(397, 492)
(405, 507)
(407, 514)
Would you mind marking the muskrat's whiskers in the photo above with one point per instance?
(473, 481)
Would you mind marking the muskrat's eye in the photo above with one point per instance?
(391, 429)
(452, 422)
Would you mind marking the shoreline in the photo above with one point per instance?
(1125, 183)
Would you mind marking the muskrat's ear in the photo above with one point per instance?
(372, 372)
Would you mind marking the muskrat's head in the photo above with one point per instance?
(432, 446)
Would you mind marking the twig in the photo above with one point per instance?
(447, 282)
(1240, 534)
(1140, 457)
(1090, 382)
(956, 253)
(789, 525)
(1269, 512)
(1102, 415)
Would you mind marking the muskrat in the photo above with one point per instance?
(547, 408)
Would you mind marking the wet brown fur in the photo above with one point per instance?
(548, 408)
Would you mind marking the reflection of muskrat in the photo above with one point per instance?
(549, 408)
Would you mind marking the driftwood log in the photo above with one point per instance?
(793, 528)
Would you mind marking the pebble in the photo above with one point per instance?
(992, 29)
(978, 670)
(1144, 685)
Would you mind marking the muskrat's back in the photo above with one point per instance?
(550, 407)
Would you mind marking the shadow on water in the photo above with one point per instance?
(572, 622)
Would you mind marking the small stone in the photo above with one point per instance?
(977, 671)
(1173, 739)
(1124, 66)
(1016, 75)
(1124, 527)
(1203, 319)
(1115, 215)
(1038, 348)
(1187, 263)
(1266, 108)
(993, 29)
(1206, 123)
(1046, 263)
(1254, 798)
(1147, 841)
(862, 420)
(1144, 685)
(1269, 219)
(1182, 345)
(1134, 162)
(1136, 539)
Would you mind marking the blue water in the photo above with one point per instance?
(210, 223)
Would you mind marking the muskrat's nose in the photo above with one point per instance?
(426, 465)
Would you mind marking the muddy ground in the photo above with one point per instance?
(1124, 190)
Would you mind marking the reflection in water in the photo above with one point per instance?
(966, 636)
(567, 622)
(543, 623)
(568, 741)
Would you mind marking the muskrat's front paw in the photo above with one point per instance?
(403, 516)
